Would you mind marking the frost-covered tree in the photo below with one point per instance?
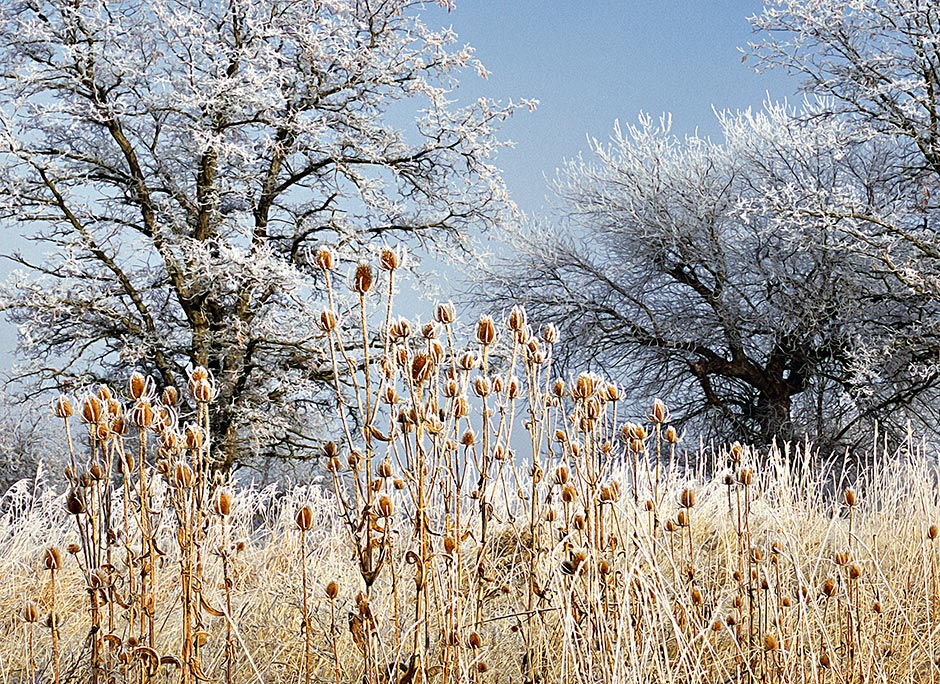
(680, 267)
(177, 161)
(876, 63)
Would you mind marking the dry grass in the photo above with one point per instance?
(480, 521)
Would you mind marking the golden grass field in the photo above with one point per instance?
(478, 520)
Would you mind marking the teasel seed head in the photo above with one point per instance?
(558, 389)
(385, 507)
(324, 259)
(304, 518)
(682, 518)
(482, 386)
(445, 313)
(52, 558)
(363, 278)
(63, 407)
(770, 642)
(932, 532)
(475, 641)
(746, 476)
(855, 571)
(517, 318)
(687, 498)
(850, 497)
(569, 494)
(183, 475)
(74, 503)
(332, 590)
(223, 502)
(91, 409)
(829, 587)
(486, 330)
(672, 437)
(583, 386)
(468, 361)
(659, 414)
(30, 612)
(550, 334)
(328, 321)
(390, 259)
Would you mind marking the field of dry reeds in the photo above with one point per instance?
(479, 520)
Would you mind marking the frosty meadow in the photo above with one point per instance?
(685, 430)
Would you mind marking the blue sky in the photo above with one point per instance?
(593, 62)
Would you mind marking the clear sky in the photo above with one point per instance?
(591, 62)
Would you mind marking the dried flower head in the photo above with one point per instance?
(363, 278)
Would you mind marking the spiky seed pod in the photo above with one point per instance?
(569, 494)
(850, 497)
(670, 525)
(579, 521)
(445, 313)
(324, 259)
(332, 590)
(932, 532)
(842, 557)
(682, 518)
(430, 331)
(468, 361)
(194, 437)
(91, 409)
(550, 334)
(385, 507)
(385, 469)
(363, 278)
(672, 437)
(74, 548)
(52, 558)
(659, 414)
(137, 385)
(876, 606)
(390, 259)
(825, 660)
(584, 386)
(203, 391)
(562, 474)
(482, 667)
(461, 407)
(223, 502)
(770, 642)
(468, 438)
(687, 498)
(558, 388)
(829, 587)
(421, 368)
(482, 386)
(855, 571)
(486, 330)
(97, 471)
(551, 515)
(304, 518)
(560, 436)
(142, 413)
(74, 503)
(517, 318)
(746, 476)
(170, 396)
(30, 612)
(183, 476)
(328, 321)
(513, 388)
(63, 407)
(697, 598)
(736, 452)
